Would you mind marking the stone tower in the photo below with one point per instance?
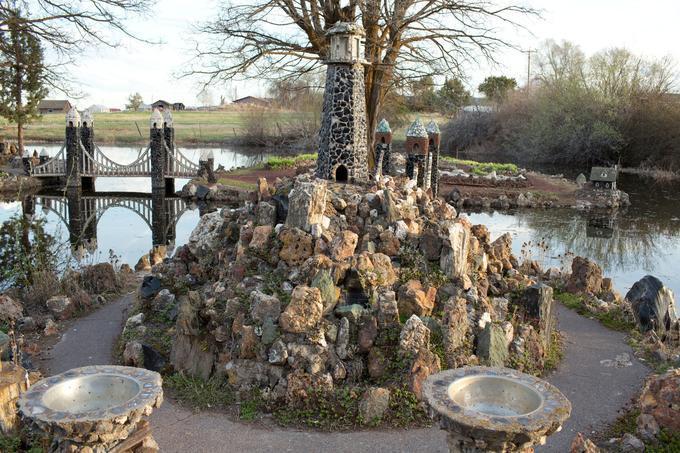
(343, 137)
(434, 135)
(416, 151)
(73, 154)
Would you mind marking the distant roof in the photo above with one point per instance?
(607, 174)
(53, 104)
(383, 126)
(161, 101)
(416, 129)
(346, 27)
(247, 99)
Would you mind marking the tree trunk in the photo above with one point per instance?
(20, 137)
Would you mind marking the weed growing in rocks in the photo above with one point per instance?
(615, 318)
(198, 393)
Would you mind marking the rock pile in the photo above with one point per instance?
(359, 286)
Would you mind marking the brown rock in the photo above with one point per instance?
(12, 384)
(10, 310)
(660, 398)
(481, 232)
(430, 244)
(425, 364)
(582, 444)
(297, 246)
(374, 404)
(413, 300)
(304, 310)
(389, 243)
(343, 245)
(367, 334)
(586, 277)
(260, 237)
(143, 265)
(248, 343)
(377, 363)
(262, 190)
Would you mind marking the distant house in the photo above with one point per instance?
(114, 110)
(161, 105)
(53, 106)
(178, 106)
(98, 108)
(252, 100)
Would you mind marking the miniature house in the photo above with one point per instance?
(417, 142)
(383, 147)
(604, 178)
(73, 118)
(343, 141)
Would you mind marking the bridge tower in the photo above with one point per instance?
(169, 137)
(158, 157)
(87, 139)
(383, 148)
(343, 153)
(434, 135)
(73, 153)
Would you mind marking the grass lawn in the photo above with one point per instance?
(190, 127)
(122, 127)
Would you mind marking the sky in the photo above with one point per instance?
(108, 76)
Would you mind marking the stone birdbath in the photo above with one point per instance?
(94, 408)
(494, 409)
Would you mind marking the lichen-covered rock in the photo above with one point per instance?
(586, 277)
(373, 404)
(388, 310)
(10, 310)
(343, 245)
(304, 310)
(264, 306)
(301, 385)
(260, 238)
(389, 243)
(414, 336)
(455, 326)
(414, 300)
(454, 255)
(60, 306)
(203, 240)
(297, 246)
(492, 348)
(653, 305)
(537, 302)
(306, 204)
(329, 292)
(581, 444)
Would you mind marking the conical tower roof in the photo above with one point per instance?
(416, 129)
(383, 127)
(433, 127)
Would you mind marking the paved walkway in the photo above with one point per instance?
(593, 375)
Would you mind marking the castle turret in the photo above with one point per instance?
(383, 147)
(73, 152)
(156, 143)
(416, 151)
(343, 137)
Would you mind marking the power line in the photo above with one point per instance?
(529, 52)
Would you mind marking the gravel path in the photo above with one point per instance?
(597, 383)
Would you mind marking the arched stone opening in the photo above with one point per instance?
(341, 173)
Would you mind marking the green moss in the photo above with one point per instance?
(279, 162)
(483, 168)
(414, 266)
(249, 409)
(667, 442)
(198, 393)
(614, 319)
(554, 354)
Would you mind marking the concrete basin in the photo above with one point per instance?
(494, 409)
(95, 406)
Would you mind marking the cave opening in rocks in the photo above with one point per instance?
(341, 174)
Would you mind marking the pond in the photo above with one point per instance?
(643, 239)
(640, 240)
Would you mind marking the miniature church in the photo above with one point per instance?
(343, 147)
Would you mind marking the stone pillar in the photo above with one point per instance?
(88, 212)
(73, 152)
(383, 148)
(343, 147)
(26, 162)
(13, 383)
(206, 163)
(44, 156)
(416, 151)
(169, 137)
(87, 139)
(156, 139)
(434, 136)
(28, 206)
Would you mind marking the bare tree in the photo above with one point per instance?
(67, 26)
(405, 39)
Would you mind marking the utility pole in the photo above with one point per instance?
(529, 52)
